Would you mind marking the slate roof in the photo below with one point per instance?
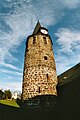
(38, 26)
(69, 75)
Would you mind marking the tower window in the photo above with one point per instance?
(47, 76)
(39, 89)
(45, 57)
(44, 38)
(34, 40)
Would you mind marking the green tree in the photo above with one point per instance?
(7, 94)
(1, 94)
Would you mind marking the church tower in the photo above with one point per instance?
(39, 77)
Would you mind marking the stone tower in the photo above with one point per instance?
(39, 77)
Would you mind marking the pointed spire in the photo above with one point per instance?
(37, 27)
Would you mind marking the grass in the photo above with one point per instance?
(9, 102)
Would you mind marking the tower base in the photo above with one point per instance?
(44, 102)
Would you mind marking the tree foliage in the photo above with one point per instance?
(1, 94)
(7, 94)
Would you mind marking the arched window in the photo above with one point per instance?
(34, 40)
(44, 38)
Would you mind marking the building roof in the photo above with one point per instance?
(69, 75)
(37, 27)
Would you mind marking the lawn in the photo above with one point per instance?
(9, 102)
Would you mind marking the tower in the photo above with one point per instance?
(39, 77)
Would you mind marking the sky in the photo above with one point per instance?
(18, 19)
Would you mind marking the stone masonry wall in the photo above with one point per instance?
(39, 68)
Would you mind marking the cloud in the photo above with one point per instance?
(18, 19)
(70, 3)
(69, 40)
(9, 66)
(13, 86)
(69, 49)
(64, 62)
(16, 73)
(7, 81)
(7, 43)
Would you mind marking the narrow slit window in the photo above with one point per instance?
(44, 38)
(34, 40)
(39, 89)
(47, 76)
